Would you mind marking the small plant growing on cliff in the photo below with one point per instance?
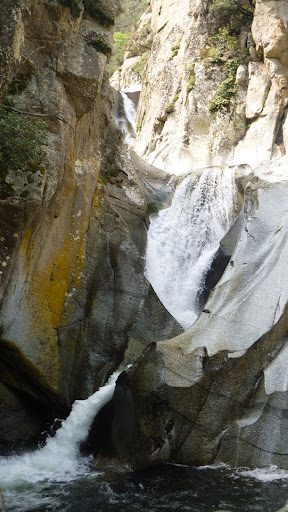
(100, 46)
(139, 67)
(171, 106)
(226, 90)
(224, 13)
(191, 77)
(225, 51)
(175, 49)
(22, 143)
(109, 170)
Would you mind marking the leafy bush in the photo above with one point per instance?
(171, 106)
(139, 67)
(226, 90)
(175, 49)
(21, 143)
(131, 12)
(109, 170)
(225, 51)
(117, 58)
(73, 6)
(100, 46)
(228, 13)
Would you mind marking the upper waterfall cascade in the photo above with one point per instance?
(183, 239)
(125, 118)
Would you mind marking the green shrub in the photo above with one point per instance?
(171, 106)
(22, 143)
(175, 49)
(228, 13)
(109, 170)
(226, 90)
(117, 57)
(130, 12)
(139, 67)
(100, 46)
(191, 77)
(120, 39)
(73, 6)
(225, 51)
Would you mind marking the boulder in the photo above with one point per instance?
(218, 392)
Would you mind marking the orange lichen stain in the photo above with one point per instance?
(79, 264)
(96, 204)
(59, 282)
(25, 242)
(48, 291)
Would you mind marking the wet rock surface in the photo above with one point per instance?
(217, 392)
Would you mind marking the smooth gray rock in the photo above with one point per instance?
(218, 392)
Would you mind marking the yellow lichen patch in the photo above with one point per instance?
(45, 296)
(96, 204)
(51, 281)
(59, 282)
(23, 249)
(79, 262)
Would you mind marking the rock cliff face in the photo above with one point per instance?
(211, 99)
(72, 269)
(218, 392)
(216, 93)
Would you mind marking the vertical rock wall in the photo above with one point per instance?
(187, 68)
(218, 392)
(71, 259)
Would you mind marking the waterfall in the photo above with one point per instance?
(126, 117)
(183, 239)
(59, 459)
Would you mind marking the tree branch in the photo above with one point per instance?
(57, 115)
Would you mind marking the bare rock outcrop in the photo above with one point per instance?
(218, 392)
(71, 253)
(214, 84)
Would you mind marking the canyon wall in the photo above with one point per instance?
(214, 83)
(214, 92)
(75, 302)
(72, 269)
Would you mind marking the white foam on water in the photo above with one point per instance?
(267, 474)
(183, 239)
(59, 459)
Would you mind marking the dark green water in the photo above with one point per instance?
(163, 488)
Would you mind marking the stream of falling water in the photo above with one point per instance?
(59, 460)
(125, 119)
(183, 239)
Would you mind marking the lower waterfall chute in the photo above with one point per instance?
(59, 459)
